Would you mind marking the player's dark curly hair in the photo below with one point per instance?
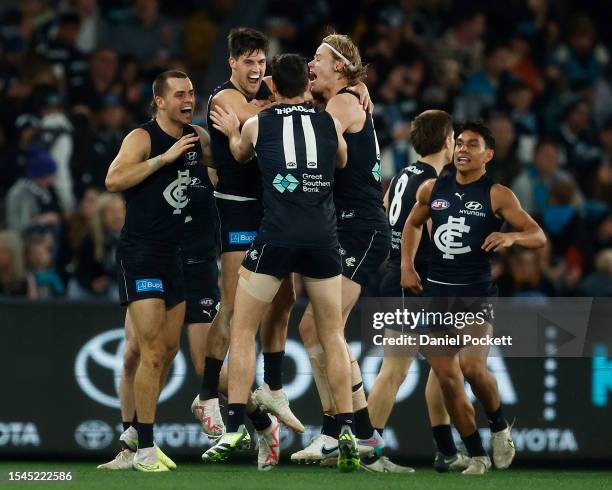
(245, 41)
(480, 128)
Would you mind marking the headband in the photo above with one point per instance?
(339, 55)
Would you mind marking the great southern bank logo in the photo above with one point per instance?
(98, 365)
(287, 183)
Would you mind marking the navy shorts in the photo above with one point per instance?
(201, 289)
(238, 223)
(276, 261)
(143, 276)
(363, 252)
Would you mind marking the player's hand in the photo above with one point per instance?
(225, 121)
(364, 96)
(411, 280)
(496, 241)
(179, 148)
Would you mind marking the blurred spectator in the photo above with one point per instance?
(526, 276)
(32, 199)
(481, 89)
(14, 281)
(581, 154)
(93, 27)
(519, 99)
(462, 43)
(581, 58)
(56, 135)
(61, 52)
(79, 223)
(146, 35)
(101, 81)
(95, 273)
(532, 185)
(39, 261)
(505, 165)
(202, 29)
(599, 283)
(12, 163)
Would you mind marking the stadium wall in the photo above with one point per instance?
(61, 364)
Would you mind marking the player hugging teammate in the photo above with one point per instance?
(297, 190)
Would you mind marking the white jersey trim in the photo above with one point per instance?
(450, 283)
(231, 197)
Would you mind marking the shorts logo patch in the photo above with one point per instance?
(242, 237)
(254, 254)
(341, 251)
(143, 285)
(439, 204)
(207, 302)
(350, 261)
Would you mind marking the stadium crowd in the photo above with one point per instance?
(75, 78)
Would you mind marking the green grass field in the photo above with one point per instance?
(289, 477)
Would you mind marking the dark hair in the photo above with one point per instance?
(545, 141)
(290, 74)
(160, 85)
(244, 40)
(479, 128)
(429, 130)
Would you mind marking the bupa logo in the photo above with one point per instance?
(439, 204)
(143, 285)
(473, 205)
(99, 363)
(242, 237)
(93, 434)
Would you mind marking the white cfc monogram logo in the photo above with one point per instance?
(445, 235)
(175, 192)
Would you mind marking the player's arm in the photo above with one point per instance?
(341, 108)
(131, 165)
(386, 197)
(364, 96)
(411, 236)
(506, 205)
(213, 176)
(207, 159)
(241, 144)
(235, 101)
(341, 152)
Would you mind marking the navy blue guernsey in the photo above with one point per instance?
(235, 179)
(155, 208)
(296, 151)
(201, 225)
(462, 218)
(358, 194)
(402, 197)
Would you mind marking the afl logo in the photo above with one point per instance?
(439, 204)
(207, 302)
(473, 205)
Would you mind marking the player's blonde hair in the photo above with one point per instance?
(355, 71)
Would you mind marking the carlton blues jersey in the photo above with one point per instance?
(201, 225)
(462, 218)
(155, 208)
(296, 150)
(235, 179)
(402, 197)
(358, 194)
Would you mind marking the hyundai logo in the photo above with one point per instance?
(473, 205)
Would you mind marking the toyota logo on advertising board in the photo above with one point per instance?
(100, 361)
